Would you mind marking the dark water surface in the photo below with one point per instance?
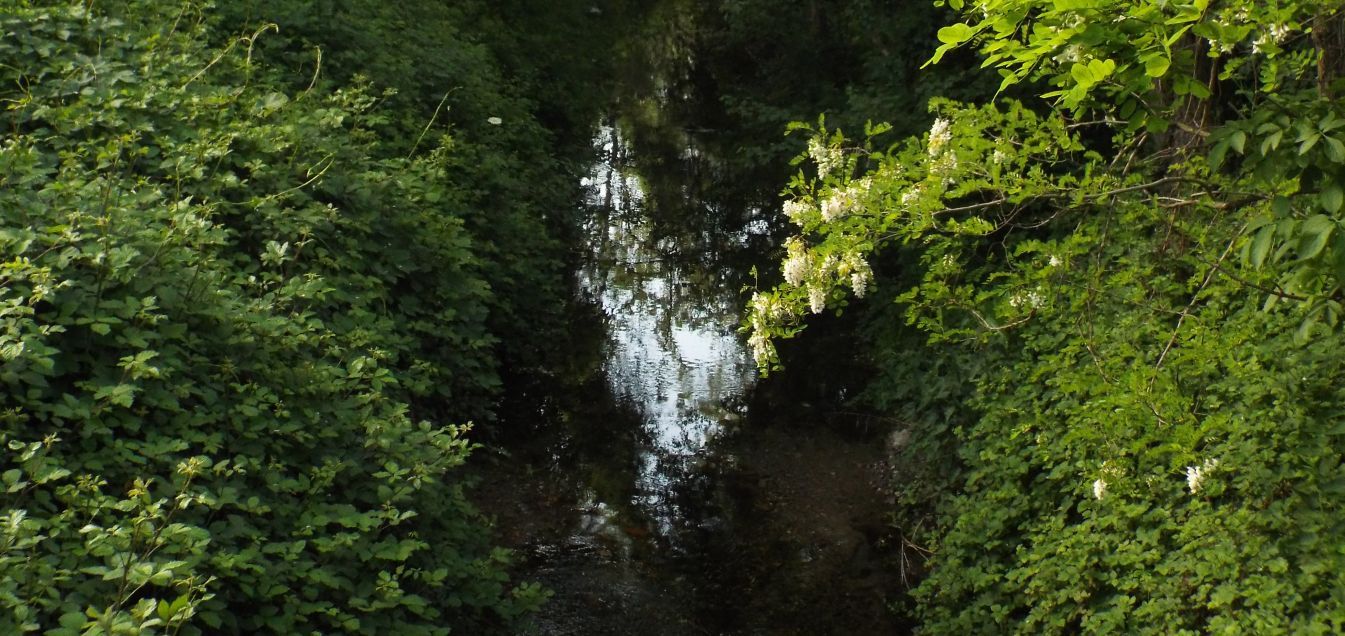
(657, 503)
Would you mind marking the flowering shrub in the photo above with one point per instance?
(1125, 298)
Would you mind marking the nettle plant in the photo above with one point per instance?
(1148, 267)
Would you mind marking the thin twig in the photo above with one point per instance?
(431, 122)
(1209, 276)
(317, 70)
(1278, 291)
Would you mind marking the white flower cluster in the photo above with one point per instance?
(1277, 34)
(999, 156)
(826, 157)
(835, 206)
(1030, 299)
(764, 310)
(944, 167)
(846, 200)
(861, 275)
(1195, 475)
(796, 268)
(817, 298)
(1070, 54)
(795, 210)
(909, 197)
(762, 348)
(1100, 484)
(939, 136)
(942, 164)
(1226, 21)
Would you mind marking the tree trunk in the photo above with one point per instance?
(1328, 37)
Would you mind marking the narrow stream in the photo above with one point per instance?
(658, 504)
(654, 501)
(673, 355)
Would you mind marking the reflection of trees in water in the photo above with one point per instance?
(658, 267)
(670, 252)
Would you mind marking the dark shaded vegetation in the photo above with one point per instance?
(260, 261)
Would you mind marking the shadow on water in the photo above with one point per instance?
(649, 499)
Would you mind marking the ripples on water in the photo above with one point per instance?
(673, 352)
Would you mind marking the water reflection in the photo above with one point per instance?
(643, 497)
(673, 353)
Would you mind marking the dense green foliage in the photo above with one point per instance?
(245, 286)
(262, 262)
(1124, 414)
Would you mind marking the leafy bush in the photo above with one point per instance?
(220, 302)
(1128, 298)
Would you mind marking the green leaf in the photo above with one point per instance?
(1335, 150)
(1087, 75)
(1271, 142)
(1331, 198)
(1261, 246)
(956, 34)
(1281, 206)
(1338, 260)
(1217, 154)
(938, 54)
(1314, 235)
(1156, 64)
(1309, 142)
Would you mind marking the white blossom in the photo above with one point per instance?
(861, 186)
(494, 121)
(1072, 53)
(829, 265)
(834, 207)
(1030, 299)
(944, 167)
(910, 196)
(860, 282)
(795, 209)
(1195, 475)
(939, 136)
(762, 349)
(826, 157)
(796, 268)
(999, 156)
(766, 311)
(1099, 489)
(817, 298)
(1055, 261)
(860, 273)
(844, 201)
